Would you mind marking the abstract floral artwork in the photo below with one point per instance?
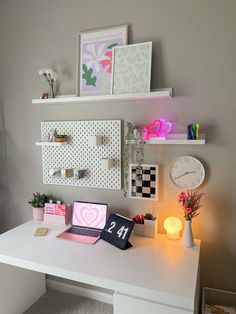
(132, 68)
(95, 59)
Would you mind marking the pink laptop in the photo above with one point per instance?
(88, 220)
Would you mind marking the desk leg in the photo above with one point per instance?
(19, 288)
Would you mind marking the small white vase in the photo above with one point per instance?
(38, 213)
(187, 239)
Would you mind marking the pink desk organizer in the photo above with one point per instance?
(57, 213)
(56, 219)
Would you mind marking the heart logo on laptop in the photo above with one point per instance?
(88, 216)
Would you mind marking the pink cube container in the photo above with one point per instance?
(50, 208)
(61, 209)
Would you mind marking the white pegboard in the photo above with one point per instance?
(79, 154)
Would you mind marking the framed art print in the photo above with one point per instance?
(131, 70)
(143, 183)
(95, 49)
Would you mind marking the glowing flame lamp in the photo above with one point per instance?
(172, 226)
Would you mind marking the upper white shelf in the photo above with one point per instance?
(51, 143)
(72, 99)
(172, 139)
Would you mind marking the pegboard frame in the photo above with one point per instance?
(78, 154)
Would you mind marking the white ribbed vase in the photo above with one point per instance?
(187, 239)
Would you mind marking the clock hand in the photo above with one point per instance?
(183, 174)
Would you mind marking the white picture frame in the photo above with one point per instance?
(131, 69)
(94, 55)
(147, 188)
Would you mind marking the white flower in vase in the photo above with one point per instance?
(50, 77)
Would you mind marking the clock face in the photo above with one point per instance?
(187, 172)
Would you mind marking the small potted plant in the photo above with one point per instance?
(37, 202)
(61, 138)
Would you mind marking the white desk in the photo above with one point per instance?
(155, 276)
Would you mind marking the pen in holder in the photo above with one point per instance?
(193, 131)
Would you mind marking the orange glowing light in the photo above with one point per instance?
(172, 225)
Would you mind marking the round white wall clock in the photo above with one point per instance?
(187, 172)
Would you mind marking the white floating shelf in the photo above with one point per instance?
(172, 139)
(51, 143)
(72, 99)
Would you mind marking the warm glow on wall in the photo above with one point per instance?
(172, 225)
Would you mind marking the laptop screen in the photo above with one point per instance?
(91, 215)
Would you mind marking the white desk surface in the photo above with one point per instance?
(160, 270)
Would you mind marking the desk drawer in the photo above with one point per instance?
(129, 305)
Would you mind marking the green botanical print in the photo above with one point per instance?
(87, 76)
(112, 45)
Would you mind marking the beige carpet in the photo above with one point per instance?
(56, 302)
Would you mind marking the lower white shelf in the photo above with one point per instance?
(51, 143)
(180, 139)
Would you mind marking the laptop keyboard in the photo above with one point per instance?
(85, 232)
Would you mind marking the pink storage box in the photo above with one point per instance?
(56, 219)
(56, 209)
(49, 208)
(61, 209)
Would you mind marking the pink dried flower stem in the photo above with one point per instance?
(191, 202)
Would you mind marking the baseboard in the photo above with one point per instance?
(81, 291)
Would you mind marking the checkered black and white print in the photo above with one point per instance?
(144, 181)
